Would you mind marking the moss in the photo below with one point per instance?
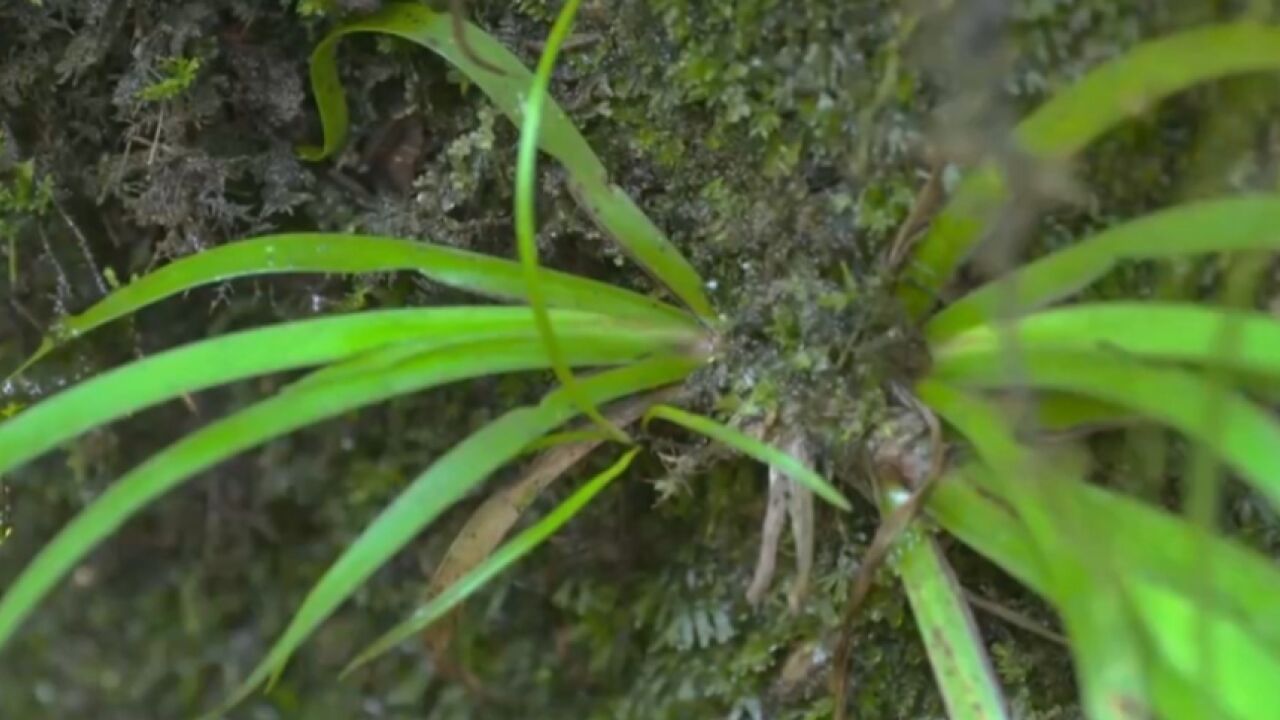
(779, 144)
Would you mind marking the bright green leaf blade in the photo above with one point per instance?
(502, 558)
(526, 224)
(947, 628)
(1242, 671)
(344, 253)
(1083, 580)
(753, 448)
(576, 327)
(1097, 616)
(286, 346)
(1242, 434)
(1105, 97)
(615, 212)
(973, 512)
(1111, 664)
(270, 418)
(462, 468)
(1178, 332)
(1163, 555)
(1035, 486)
(951, 638)
(1153, 546)
(1241, 223)
(1130, 84)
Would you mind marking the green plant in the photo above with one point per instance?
(1126, 577)
(1165, 617)
(569, 322)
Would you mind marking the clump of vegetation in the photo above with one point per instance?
(1139, 617)
(176, 75)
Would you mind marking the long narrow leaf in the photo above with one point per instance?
(449, 478)
(1096, 614)
(753, 448)
(1155, 546)
(617, 214)
(947, 628)
(1176, 332)
(503, 558)
(1181, 629)
(286, 346)
(526, 224)
(972, 511)
(1084, 582)
(1246, 435)
(1241, 223)
(1163, 557)
(345, 253)
(1105, 97)
(267, 419)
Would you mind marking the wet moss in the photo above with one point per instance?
(780, 144)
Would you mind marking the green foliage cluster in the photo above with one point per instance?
(176, 75)
(796, 326)
(376, 356)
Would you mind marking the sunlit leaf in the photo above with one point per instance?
(1176, 332)
(1152, 544)
(1219, 659)
(608, 205)
(345, 253)
(1244, 435)
(1242, 223)
(119, 392)
(1163, 556)
(1064, 412)
(1083, 580)
(275, 416)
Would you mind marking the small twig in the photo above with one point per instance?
(1013, 617)
(83, 242)
(64, 283)
(155, 141)
(25, 314)
(927, 201)
(574, 42)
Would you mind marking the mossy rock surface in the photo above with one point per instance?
(780, 144)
